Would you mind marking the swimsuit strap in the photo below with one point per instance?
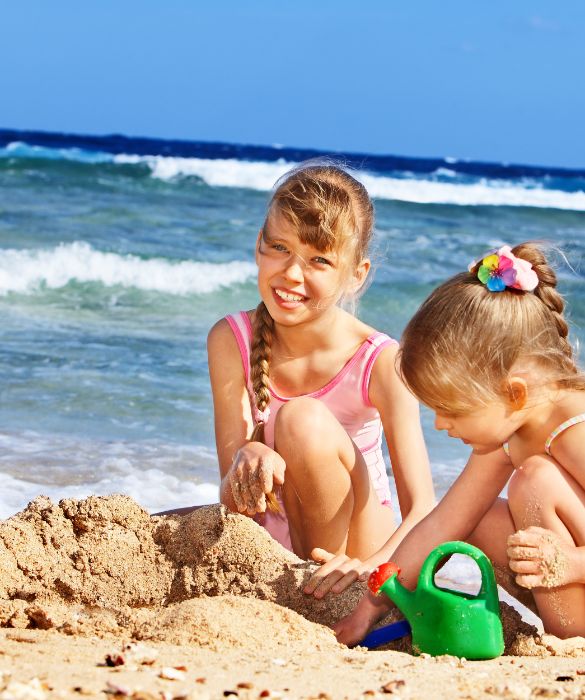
(378, 341)
(562, 427)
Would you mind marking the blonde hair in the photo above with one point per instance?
(459, 348)
(331, 211)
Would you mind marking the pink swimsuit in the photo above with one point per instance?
(346, 396)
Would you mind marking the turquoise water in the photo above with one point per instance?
(113, 267)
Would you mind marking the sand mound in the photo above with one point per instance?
(104, 566)
(234, 622)
(99, 552)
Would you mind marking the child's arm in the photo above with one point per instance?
(248, 470)
(454, 518)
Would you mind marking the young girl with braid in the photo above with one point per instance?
(488, 352)
(302, 390)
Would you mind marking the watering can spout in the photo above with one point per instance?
(404, 599)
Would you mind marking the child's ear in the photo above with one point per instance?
(517, 392)
(361, 273)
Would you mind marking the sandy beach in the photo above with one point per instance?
(99, 599)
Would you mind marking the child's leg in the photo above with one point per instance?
(491, 536)
(329, 498)
(542, 494)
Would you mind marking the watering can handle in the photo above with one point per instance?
(488, 580)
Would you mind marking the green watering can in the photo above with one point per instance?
(444, 621)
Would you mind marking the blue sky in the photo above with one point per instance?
(495, 80)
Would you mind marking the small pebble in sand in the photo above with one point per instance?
(132, 653)
(171, 673)
(117, 690)
(115, 659)
(393, 686)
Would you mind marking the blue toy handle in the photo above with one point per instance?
(385, 634)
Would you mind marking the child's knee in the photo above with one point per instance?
(532, 484)
(302, 421)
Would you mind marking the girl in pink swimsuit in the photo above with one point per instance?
(488, 351)
(303, 390)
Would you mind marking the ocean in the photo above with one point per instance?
(117, 254)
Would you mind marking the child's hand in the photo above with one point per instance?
(353, 628)
(337, 573)
(255, 471)
(540, 557)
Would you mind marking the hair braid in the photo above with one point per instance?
(546, 291)
(260, 352)
(259, 367)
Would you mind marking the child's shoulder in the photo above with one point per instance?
(219, 334)
(567, 435)
(364, 331)
(225, 324)
(223, 331)
(569, 411)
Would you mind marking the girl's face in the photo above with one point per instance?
(485, 429)
(296, 281)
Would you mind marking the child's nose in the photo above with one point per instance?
(295, 267)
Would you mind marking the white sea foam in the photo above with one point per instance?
(153, 489)
(157, 475)
(259, 175)
(25, 271)
(223, 172)
(484, 193)
(262, 176)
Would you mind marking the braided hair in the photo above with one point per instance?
(459, 348)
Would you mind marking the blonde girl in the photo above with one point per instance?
(302, 390)
(488, 352)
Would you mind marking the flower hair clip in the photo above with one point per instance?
(500, 268)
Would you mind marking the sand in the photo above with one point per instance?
(98, 599)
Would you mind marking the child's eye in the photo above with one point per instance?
(322, 261)
(279, 248)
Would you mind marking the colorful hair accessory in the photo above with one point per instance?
(500, 268)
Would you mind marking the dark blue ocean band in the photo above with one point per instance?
(385, 634)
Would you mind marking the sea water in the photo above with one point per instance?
(117, 255)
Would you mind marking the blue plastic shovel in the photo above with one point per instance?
(385, 634)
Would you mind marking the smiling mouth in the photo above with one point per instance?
(288, 296)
